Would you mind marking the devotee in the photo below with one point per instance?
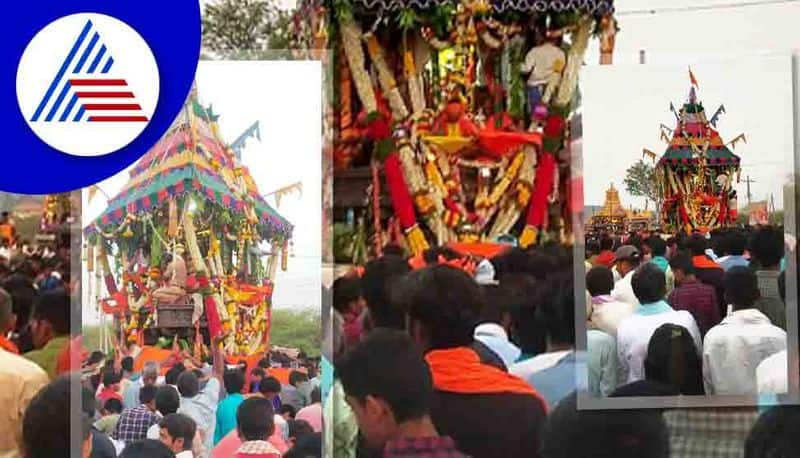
(200, 404)
(47, 427)
(8, 321)
(50, 328)
(134, 423)
(602, 365)
(606, 257)
(20, 380)
(109, 416)
(102, 447)
(705, 269)
(658, 253)
(312, 413)
(379, 276)
(110, 388)
(766, 249)
(348, 301)
(391, 397)
(290, 393)
(233, 380)
(254, 425)
(176, 275)
(572, 433)
(150, 374)
(673, 360)
(628, 259)
(167, 402)
(558, 380)
(634, 333)
(736, 244)
(771, 375)
(606, 312)
(443, 304)
(775, 434)
(147, 448)
(177, 433)
(691, 295)
(734, 348)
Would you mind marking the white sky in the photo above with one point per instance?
(740, 58)
(285, 96)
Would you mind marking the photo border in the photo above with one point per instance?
(588, 402)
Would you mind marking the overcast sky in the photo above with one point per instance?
(285, 96)
(740, 57)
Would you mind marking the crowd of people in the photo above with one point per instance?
(450, 355)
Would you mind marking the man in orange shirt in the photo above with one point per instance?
(7, 322)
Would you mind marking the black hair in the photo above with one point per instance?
(741, 287)
(88, 401)
(599, 281)
(234, 380)
(46, 426)
(558, 313)
(147, 448)
(522, 295)
(649, 283)
(737, 243)
(171, 377)
(774, 435)
(110, 377)
(254, 419)
(445, 300)
(570, 432)
(657, 246)
(188, 384)
(606, 244)
(113, 405)
(393, 249)
(269, 385)
(697, 244)
(147, 393)
(307, 446)
(376, 284)
(431, 255)
(672, 359)
(180, 426)
(403, 381)
(299, 428)
(288, 408)
(345, 291)
(592, 247)
(683, 262)
(257, 372)
(316, 395)
(263, 363)
(55, 307)
(127, 364)
(766, 246)
(507, 298)
(296, 377)
(95, 357)
(167, 400)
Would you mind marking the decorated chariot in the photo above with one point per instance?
(195, 245)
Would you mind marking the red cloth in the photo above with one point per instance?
(72, 357)
(109, 392)
(8, 345)
(398, 191)
(704, 262)
(605, 258)
(498, 143)
(537, 211)
(459, 370)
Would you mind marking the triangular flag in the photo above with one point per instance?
(693, 79)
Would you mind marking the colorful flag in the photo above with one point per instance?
(693, 79)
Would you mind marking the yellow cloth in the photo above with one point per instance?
(47, 356)
(21, 380)
(449, 144)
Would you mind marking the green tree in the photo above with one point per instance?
(640, 180)
(245, 28)
(298, 329)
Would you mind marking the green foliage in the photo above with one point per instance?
(233, 28)
(640, 180)
(298, 329)
(407, 19)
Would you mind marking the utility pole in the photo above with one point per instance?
(749, 195)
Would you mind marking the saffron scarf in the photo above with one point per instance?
(703, 262)
(459, 370)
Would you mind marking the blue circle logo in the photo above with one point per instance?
(96, 85)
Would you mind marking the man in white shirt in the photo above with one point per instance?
(177, 433)
(734, 348)
(201, 404)
(606, 313)
(634, 333)
(628, 259)
(771, 375)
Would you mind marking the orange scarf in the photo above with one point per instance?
(8, 345)
(459, 370)
(704, 262)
